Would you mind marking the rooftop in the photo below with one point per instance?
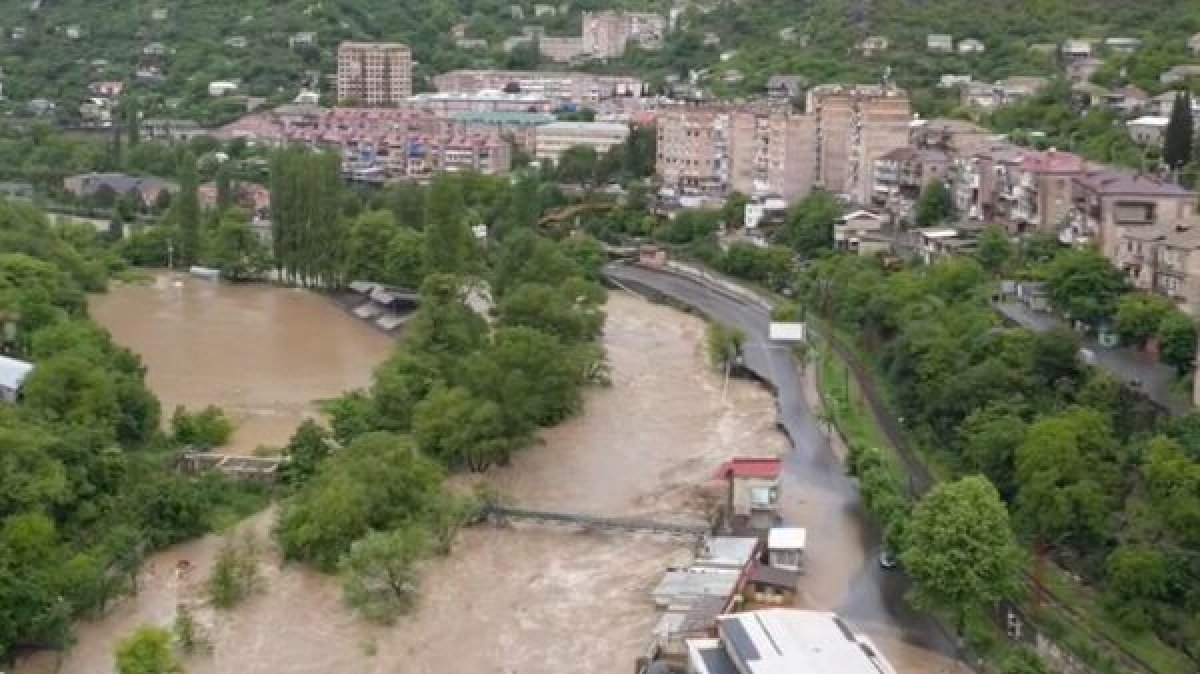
(1117, 181)
(1052, 161)
(731, 552)
(612, 127)
(522, 118)
(786, 538)
(751, 467)
(1150, 120)
(792, 641)
(13, 372)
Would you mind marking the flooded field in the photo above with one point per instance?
(528, 599)
(264, 354)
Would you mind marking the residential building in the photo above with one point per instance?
(971, 46)
(254, 198)
(771, 153)
(875, 44)
(694, 146)
(931, 244)
(1162, 104)
(13, 373)
(901, 174)
(1165, 260)
(1082, 69)
(606, 34)
(950, 81)
(374, 73)
(853, 126)
(1077, 49)
(752, 493)
(303, 40)
(561, 87)
(939, 43)
(955, 136)
(181, 130)
(146, 188)
(448, 103)
(109, 89)
(1002, 92)
(1023, 189)
(518, 127)
(861, 231)
(1123, 45)
(785, 86)
(221, 88)
(1126, 100)
(555, 138)
(1193, 44)
(1109, 203)
(776, 640)
(1180, 73)
(1148, 130)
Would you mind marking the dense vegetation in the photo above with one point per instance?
(1088, 473)
(87, 485)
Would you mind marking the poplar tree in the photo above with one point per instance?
(187, 211)
(1177, 140)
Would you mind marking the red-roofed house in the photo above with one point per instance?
(753, 492)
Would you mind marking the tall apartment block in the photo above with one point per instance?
(713, 150)
(853, 127)
(374, 73)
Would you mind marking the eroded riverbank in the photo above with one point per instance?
(528, 599)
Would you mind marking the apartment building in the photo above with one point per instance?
(1021, 188)
(518, 127)
(446, 103)
(1108, 204)
(1165, 260)
(560, 87)
(853, 126)
(954, 136)
(901, 174)
(555, 138)
(711, 150)
(374, 73)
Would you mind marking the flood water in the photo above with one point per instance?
(262, 353)
(524, 599)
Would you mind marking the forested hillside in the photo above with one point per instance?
(48, 62)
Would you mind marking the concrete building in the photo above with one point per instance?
(444, 104)
(1122, 45)
(852, 127)
(1165, 260)
(899, 176)
(1180, 73)
(555, 138)
(561, 87)
(939, 43)
(147, 188)
(1108, 204)
(374, 73)
(1021, 188)
(777, 640)
(971, 46)
(752, 497)
(607, 34)
(954, 136)
(13, 373)
(519, 127)
(860, 231)
(1148, 130)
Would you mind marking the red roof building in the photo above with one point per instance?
(765, 468)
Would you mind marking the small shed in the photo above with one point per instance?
(12, 376)
(785, 548)
(771, 586)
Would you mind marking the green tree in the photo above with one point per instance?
(235, 573)
(308, 447)
(724, 343)
(205, 429)
(1178, 137)
(809, 226)
(1139, 316)
(990, 438)
(578, 164)
(935, 205)
(187, 212)
(995, 250)
(236, 250)
(147, 651)
(960, 550)
(1177, 340)
(378, 575)
(449, 246)
(463, 431)
(1023, 661)
(1084, 285)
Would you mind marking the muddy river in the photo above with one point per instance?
(525, 599)
(264, 354)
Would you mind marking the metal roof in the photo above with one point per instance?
(790, 641)
(13, 372)
(786, 538)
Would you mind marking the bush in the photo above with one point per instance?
(205, 429)
(235, 575)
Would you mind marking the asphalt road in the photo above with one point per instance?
(874, 597)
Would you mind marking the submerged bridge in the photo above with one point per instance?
(631, 524)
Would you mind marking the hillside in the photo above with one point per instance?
(54, 51)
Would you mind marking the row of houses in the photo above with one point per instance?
(603, 35)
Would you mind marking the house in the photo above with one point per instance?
(181, 130)
(1126, 100)
(785, 548)
(752, 502)
(1193, 44)
(1003, 92)
(936, 243)
(1123, 45)
(13, 373)
(107, 89)
(1163, 103)
(769, 587)
(1076, 49)
(16, 190)
(939, 43)
(236, 42)
(307, 97)
(1147, 130)
(1081, 70)
(860, 231)
(147, 188)
(302, 40)
(544, 10)
(971, 46)
(1107, 203)
(41, 107)
(73, 32)
(219, 88)
(1180, 73)
(252, 197)
(874, 44)
(159, 14)
(950, 81)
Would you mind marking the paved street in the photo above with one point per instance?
(1156, 380)
(873, 598)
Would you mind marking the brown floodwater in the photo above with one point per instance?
(264, 354)
(523, 599)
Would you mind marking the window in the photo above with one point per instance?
(762, 496)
